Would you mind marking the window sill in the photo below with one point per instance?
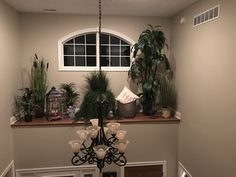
(139, 118)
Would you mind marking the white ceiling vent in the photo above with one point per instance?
(206, 16)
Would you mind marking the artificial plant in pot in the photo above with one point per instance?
(39, 84)
(97, 86)
(149, 64)
(167, 97)
(26, 103)
(70, 97)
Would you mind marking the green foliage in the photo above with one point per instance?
(23, 103)
(39, 79)
(97, 87)
(168, 95)
(97, 81)
(70, 94)
(150, 63)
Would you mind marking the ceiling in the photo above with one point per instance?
(157, 8)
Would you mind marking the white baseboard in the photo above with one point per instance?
(181, 168)
(8, 168)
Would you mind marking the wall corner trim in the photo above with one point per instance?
(9, 167)
(182, 168)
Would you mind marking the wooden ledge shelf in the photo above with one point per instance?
(139, 118)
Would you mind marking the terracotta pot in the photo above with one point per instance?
(166, 112)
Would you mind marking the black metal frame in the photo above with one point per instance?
(88, 155)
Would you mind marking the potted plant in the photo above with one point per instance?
(167, 97)
(26, 103)
(97, 87)
(149, 64)
(39, 84)
(70, 97)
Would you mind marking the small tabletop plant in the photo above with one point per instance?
(149, 64)
(26, 103)
(70, 97)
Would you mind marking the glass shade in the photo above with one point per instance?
(101, 151)
(94, 122)
(122, 145)
(75, 145)
(113, 127)
(120, 134)
(93, 131)
(83, 134)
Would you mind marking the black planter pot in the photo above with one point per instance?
(28, 118)
(149, 109)
(39, 111)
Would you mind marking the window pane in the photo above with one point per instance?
(115, 50)
(91, 49)
(124, 43)
(104, 61)
(70, 41)
(91, 61)
(104, 39)
(125, 50)
(80, 61)
(115, 40)
(104, 50)
(91, 38)
(115, 61)
(125, 61)
(79, 50)
(69, 61)
(80, 40)
(68, 50)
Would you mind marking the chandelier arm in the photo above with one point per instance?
(77, 160)
(120, 161)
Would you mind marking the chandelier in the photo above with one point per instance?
(99, 144)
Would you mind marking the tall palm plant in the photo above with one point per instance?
(149, 64)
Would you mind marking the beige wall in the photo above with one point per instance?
(36, 147)
(9, 72)
(41, 32)
(205, 59)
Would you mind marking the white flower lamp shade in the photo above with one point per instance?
(105, 130)
(93, 131)
(113, 127)
(83, 134)
(75, 145)
(101, 151)
(122, 145)
(120, 134)
(94, 122)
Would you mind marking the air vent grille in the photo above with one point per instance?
(206, 16)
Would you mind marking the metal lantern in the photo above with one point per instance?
(54, 104)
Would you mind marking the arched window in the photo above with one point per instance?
(80, 51)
